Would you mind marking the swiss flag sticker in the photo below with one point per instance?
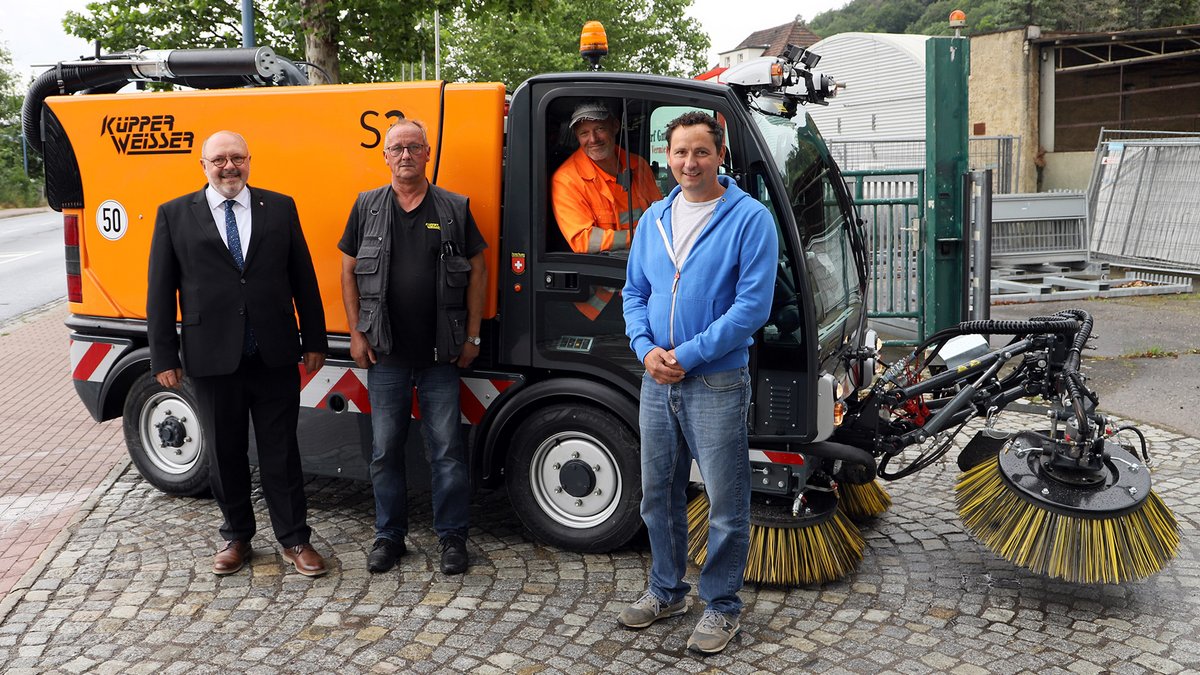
(518, 263)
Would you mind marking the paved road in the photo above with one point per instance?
(127, 587)
(52, 454)
(31, 262)
(1145, 361)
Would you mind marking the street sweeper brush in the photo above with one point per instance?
(815, 545)
(1105, 527)
(1068, 502)
(863, 502)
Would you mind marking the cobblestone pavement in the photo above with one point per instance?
(52, 454)
(129, 591)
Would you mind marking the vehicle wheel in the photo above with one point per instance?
(163, 434)
(574, 478)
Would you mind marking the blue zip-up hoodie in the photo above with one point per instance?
(724, 290)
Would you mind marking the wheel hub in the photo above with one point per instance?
(577, 478)
(170, 432)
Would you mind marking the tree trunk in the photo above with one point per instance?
(319, 21)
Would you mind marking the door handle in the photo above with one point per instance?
(563, 281)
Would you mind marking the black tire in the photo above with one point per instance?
(557, 491)
(175, 469)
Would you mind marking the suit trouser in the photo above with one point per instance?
(271, 396)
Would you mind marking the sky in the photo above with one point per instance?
(33, 31)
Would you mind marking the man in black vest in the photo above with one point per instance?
(413, 283)
(237, 259)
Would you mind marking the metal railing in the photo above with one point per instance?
(889, 203)
(1001, 154)
(1142, 198)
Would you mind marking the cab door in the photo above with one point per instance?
(570, 300)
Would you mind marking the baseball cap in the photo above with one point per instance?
(589, 110)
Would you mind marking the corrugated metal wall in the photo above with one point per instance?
(885, 86)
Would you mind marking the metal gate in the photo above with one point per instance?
(889, 203)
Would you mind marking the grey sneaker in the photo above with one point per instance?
(648, 609)
(713, 633)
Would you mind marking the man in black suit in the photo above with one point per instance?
(238, 260)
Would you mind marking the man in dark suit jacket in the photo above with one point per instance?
(238, 261)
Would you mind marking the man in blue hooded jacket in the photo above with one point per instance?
(699, 284)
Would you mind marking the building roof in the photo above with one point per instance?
(1188, 32)
(711, 73)
(774, 40)
(911, 46)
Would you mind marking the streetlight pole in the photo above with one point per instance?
(247, 23)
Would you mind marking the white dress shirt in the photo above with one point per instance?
(241, 212)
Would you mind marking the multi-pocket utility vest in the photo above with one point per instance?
(373, 263)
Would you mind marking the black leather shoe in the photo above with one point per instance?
(454, 554)
(384, 555)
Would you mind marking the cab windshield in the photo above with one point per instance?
(821, 207)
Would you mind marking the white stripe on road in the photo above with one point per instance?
(13, 257)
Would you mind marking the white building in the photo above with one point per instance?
(884, 98)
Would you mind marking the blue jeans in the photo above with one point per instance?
(706, 413)
(390, 389)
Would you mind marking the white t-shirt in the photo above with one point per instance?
(687, 221)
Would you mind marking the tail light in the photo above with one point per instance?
(71, 239)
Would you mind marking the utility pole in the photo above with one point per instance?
(248, 23)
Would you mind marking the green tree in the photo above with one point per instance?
(929, 17)
(16, 188)
(643, 36)
(349, 40)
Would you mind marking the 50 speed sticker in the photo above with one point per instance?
(111, 220)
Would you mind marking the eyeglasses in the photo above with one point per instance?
(219, 162)
(412, 148)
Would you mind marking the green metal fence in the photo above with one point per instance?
(889, 203)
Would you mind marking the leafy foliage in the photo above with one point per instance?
(929, 17)
(364, 40)
(643, 36)
(16, 189)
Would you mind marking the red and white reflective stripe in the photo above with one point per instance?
(776, 457)
(91, 361)
(476, 394)
(350, 383)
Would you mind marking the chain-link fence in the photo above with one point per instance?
(1142, 200)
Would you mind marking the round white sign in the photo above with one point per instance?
(111, 220)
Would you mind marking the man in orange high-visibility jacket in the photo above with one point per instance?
(594, 209)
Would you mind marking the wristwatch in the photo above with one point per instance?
(474, 339)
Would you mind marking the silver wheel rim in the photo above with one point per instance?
(575, 512)
(174, 461)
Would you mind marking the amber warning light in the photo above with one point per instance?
(593, 43)
(958, 21)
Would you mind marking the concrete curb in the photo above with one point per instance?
(30, 315)
(18, 591)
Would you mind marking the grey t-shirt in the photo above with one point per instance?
(687, 221)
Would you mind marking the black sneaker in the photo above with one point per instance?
(454, 554)
(384, 555)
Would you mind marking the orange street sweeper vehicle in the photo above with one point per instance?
(550, 407)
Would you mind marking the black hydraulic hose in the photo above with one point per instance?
(63, 79)
(1058, 325)
(196, 68)
(846, 453)
(1071, 366)
(1141, 437)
